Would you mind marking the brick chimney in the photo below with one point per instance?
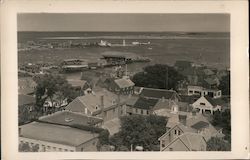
(183, 119)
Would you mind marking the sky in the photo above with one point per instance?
(114, 22)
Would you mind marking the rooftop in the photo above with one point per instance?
(92, 101)
(56, 133)
(144, 103)
(193, 141)
(158, 93)
(199, 125)
(25, 99)
(124, 83)
(70, 118)
(76, 82)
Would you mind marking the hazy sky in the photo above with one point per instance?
(124, 22)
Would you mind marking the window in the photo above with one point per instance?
(170, 149)
(179, 132)
(141, 111)
(202, 104)
(66, 150)
(81, 149)
(147, 112)
(105, 113)
(71, 151)
(175, 132)
(48, 147)
(60, 149)
(136, 110)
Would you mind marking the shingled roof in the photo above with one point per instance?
(144, 103)
(158, 93)
(124, 83)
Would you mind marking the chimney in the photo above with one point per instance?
(183, 119)
(102, 102)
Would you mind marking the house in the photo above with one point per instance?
(57, 138)
(201, 91)
(186, 142)
(82, 86)
(102, 103)
(68, 118)
(188, 133)
(207, 104)
(152, 93)
(142, 106)
(172, 106)
(26, 85)
(123, 86)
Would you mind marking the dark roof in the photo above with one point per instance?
(70, 118)
(157, 93)
(189, 99)
(210, 100)
(219, 101)
(144, 103)
(25, 99)
(215, 101)
(200, 124)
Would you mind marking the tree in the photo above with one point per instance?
(158, 76)
(138, 130)
(218, 144)
(225, 85)
(53, 88)
(223, 120)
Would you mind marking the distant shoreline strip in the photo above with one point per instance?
(128, 37)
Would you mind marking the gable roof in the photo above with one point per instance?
(144, 103)
(70, 118)
(124, 83)
(93, 101)
(193, 141)
(158, 93)
(189, 99)
(193, 123)
(210, 100)
(25, 99)
(199, 125)
(131, 101)
(56, 133)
